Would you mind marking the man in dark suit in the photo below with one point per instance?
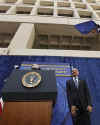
(79, 99)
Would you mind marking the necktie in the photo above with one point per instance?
(76, 82)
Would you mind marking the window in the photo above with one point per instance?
(23, 10)
(63, 4)
(46, 3)
(85, 14)
(4, 9)
(65, 12)
(45, 11)
(32, 2)
(79, 5)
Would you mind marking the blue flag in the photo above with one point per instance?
(86, 27)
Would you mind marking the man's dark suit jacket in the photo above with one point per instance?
(81, 93)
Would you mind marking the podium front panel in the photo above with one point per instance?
(14, 90)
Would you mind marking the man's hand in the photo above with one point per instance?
(73, 110)
(89, 108)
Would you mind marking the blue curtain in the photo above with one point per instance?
(89, 70)
(61, 114)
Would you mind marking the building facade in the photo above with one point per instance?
(46, 27)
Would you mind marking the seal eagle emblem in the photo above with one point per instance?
(31, 79)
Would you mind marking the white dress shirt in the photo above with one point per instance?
(76, 81)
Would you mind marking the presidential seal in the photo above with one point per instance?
(31, 79)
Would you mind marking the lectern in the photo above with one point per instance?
(28, 105)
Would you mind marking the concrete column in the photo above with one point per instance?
(55, 8)
(24, 37)
(75, 13)
(93, 12)
(91, 9)
(34, 10)
(19, 2)
(12, 10)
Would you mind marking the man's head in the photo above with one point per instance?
(75, 72)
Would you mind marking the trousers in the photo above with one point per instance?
(82, 117)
